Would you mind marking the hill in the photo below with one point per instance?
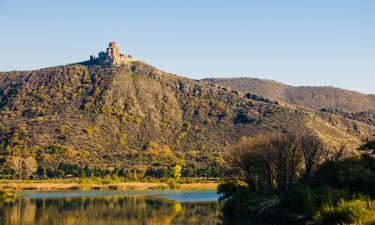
(308, 96)
(136, 116)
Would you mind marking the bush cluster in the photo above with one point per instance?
(336, 191)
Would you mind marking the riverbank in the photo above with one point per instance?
(5, 194)
(99, 184)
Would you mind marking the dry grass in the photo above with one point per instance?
(199, 186)
(95, 185)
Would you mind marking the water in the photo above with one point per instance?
(112, 208)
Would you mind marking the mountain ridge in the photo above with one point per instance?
(315, 97)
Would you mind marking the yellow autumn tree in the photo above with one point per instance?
(177, 172)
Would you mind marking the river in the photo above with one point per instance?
(150, 207)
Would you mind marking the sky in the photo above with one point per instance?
(320, 42)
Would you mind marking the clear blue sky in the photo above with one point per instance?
(315, 42)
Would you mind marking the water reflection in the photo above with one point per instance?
(122, 210)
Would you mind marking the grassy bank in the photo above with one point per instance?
(6, 194)
(100, 184)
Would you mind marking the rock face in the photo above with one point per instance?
(135, 115)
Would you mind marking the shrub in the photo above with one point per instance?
(354, 174)
(245, 203)
(358, 211)
(157, 149)
(368, 145)
(228, 189)
(92, 130)
(122, 139)
(272, 191)
(172, 184)
(306, 201)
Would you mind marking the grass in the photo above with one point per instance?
(199, 186)
(99, 184)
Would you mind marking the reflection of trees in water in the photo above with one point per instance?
(106, 210)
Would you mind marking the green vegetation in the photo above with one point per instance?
(171, 175)
(369, 145)
(358, 211)
(138, 120)
(285, 178)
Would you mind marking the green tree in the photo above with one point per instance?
(123, 172)
(88, 171)
(354, 174)
(41, 171)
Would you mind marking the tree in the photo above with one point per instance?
(313, 150)
(123, 172)
(160, 172)
(21, 167)
(88, 171)
(356, 174)
(177, 172)
(189, 171)
(339, 153)
(41, 171)
(267, 162)
(287, 158)
(270, 163)
(29, 167)
(14, 163)
(249, 163)
(116, 171)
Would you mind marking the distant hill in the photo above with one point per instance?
(329, 99)
(135, 115)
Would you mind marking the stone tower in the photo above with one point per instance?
(113, 52)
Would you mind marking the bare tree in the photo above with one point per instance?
(288, 158)
(21, 167)
(267, 162)
(29, 166)
(340, 153)
(14, 163)
(313, 150)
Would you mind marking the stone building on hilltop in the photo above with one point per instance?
(111, 57)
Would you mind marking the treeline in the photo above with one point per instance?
(66, 169)
(290, 178)
(28, 169)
